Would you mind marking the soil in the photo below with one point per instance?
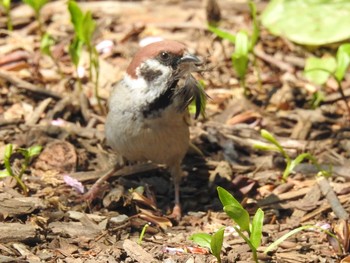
(40, 104)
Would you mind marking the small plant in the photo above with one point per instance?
(251, 232)
(142, 234)
(240, 216)
(46, 43)
(301, 228)
(84, 28)
(244, 46)
(318, 70)
(212, 242)
(290, 163)
(7, 5)
(28, 155)
(37, 5)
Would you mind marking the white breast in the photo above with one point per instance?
(161, 139)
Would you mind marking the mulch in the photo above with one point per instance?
(39, 106)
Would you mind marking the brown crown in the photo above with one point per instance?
(151, 51)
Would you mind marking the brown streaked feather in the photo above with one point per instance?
(191, 91)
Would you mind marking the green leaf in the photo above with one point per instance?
(226, 198)
(266, 147)
(257, 224)
(239, 215)
(6, 4)
(240, 56)
(284, 237)
(7, 156)
(318, 70)
(75, 49)
(343, 61)
(34, 150)
(77, 18)
(317, 98)
(88, 28)
(216, 243)
(286, 171)
(202, 239)
(36, 4)
(4, 173)
(256, 31)
(301, 158)
(222, 34)
(269, 137)
(8, 152)
(234, 209)
(309, 22)
(46, 43)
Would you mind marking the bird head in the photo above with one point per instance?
(155, 72)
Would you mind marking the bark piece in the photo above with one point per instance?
(35, 116)
(136, 252)
(15, 206)
(16, 232)
(333, 200)
(74, 229)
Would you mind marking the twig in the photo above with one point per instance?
(19, 83)
(34, 118)
(332, 199)
(272, 60)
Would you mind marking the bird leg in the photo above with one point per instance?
(92, 193)
(176, 173)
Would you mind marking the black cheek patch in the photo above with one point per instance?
(149, 74)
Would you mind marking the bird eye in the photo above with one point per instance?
(164, 55)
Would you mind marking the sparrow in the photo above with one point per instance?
(148, 118)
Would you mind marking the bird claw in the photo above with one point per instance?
(176, 214)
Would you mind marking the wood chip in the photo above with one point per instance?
(16, 206)
(74, 229)
(35, 116)
(332, 198)
(19, 83)
(16, 232)
(136, 252)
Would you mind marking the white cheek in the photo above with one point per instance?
(157, 66)
(135, 85)
(144, 91)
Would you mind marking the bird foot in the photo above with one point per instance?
(90, 195)
(176, 214)
(96, 188)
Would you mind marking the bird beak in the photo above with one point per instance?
(190, 59)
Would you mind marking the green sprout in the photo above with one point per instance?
(318, 70)
(7, 6)
(37, 5)
(290, 163)
(250, 232)
(212, 242)
(47, 41)
(28, 155)
(299, 229)
(244, 46)
(84, 28)
(142, 234)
